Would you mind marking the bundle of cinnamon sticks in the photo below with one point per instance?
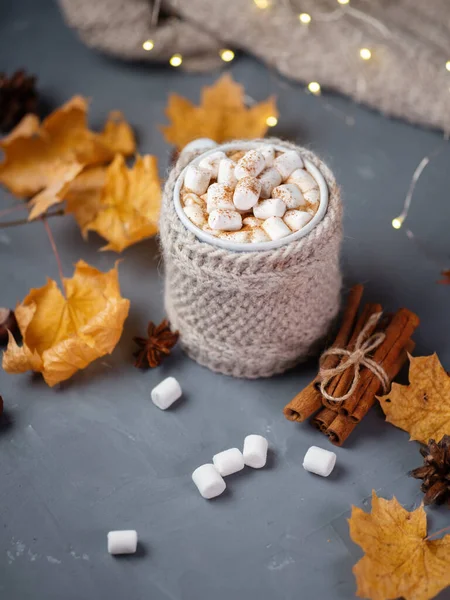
(335, 418)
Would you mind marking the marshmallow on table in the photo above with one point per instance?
(246, 193)
(122, 542)
(296, 219)
(166, 392)
(303, 179)
(229, 461)
(268, 152)
(269, 179)
(250, 165)
(272, 207)
(288, 162)
(226, 220)
(319, 461)
(197, 179)
(209, 481)
(276, 228)
(290, 194)
(219, 196)
(211, 162)
(255, 451)
(258, 235)
(226, 174)
(195, 213)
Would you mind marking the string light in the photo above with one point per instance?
(343, 1)
(447, 65)
(262, 4)
(148, 45)
(304, 18)
(176, 60)
(227, 55)
(365, 54)
(314, 87)
(398, 222)
(271, 121)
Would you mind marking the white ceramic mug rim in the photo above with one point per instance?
(260, 246)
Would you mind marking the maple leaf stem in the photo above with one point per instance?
(55, 252)
(12, 209)
(437, 533)
(56, 213)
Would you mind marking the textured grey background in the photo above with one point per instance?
(94, 454)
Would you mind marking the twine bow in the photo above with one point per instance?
(357, 358)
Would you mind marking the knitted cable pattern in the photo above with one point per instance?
(252, 314)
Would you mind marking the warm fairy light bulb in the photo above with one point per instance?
(304, 18)
(397, 222)
(314, 87)
(365, 54)
(447, 65)
(176, 60)
(227, 55)
(271, 121)
(344, 1)
(262, 3)
(148, 45)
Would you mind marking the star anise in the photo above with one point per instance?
(435, 473)
(18, 97)
(159, 342)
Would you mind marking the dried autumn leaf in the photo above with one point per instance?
(83, 196)
(64, 333)
(399, 561)
(55, 192)
(37, 154)
(221, 116)
(421, 408)
(126, 209)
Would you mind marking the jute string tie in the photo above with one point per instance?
(356, 359)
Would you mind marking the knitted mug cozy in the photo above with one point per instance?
(252, 314)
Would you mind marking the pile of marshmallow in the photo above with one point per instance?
(250, 197)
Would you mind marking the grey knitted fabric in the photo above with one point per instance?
(409, 40)
(252, 314)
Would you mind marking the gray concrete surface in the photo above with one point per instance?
(94, 454)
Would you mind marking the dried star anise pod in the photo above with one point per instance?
(435, 473)
(159, 342)
(7, 322)
(18, 97)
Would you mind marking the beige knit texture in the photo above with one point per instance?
(252, 314)
(409, 40)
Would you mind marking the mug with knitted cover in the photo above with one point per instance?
(251, 313)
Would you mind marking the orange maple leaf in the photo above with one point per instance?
(399, 560)
(221, 116)
(64, 333)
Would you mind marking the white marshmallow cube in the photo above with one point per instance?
(268, 152)
(303, 179)
(252, 221)
(255, 451)
(276, 228)
(319, 461)
(242, 236)
(166, 393)
(122, 542)
(246, 193)
(219, 196)
(312, 195)
(258, 235)
(225, 220)
(229, 461)
(226, 174)
(273, 207)
(192, 199)
(250, 165)
(197, 179)
(296, 219)
(209, 481)
(211, 162)
(288, 162)
(269, 179)
(196, 214)
(290, 194)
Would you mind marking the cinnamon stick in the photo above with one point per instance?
(342, 382)
(339, 430)
(323, 419)
(398, 333)
(309, 400)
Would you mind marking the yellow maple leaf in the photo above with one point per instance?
(421, 408)
(36, 155)
(399, 561)
(125, 209)
(64, 333)
(221, 116)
